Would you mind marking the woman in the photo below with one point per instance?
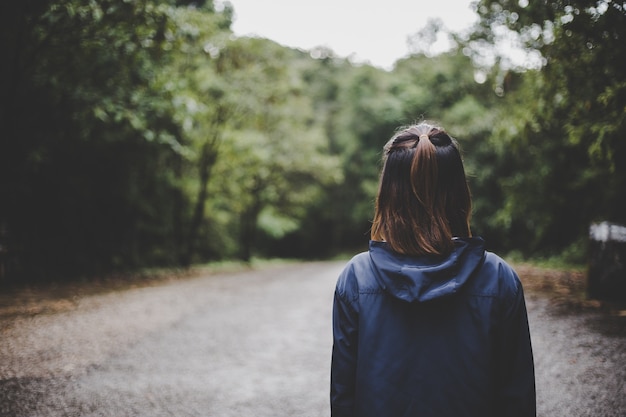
(428, 323)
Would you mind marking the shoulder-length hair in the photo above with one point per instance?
(423, 197)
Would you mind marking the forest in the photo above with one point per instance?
(144, 133)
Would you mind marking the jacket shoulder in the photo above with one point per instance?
(507, 277)
(497, 279)
(357, 276)
(496, 276)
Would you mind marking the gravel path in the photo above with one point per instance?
(254, 343)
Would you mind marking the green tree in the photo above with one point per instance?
(276, 159)
(89, 134)
(562, 127)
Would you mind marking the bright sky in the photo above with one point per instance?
(365, 30)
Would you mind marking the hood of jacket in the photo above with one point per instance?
(420, 279)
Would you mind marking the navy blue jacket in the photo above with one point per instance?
(431, 337)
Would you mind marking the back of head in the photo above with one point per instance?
(423, 198)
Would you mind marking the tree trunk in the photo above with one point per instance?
(208, 157)
(248, 224)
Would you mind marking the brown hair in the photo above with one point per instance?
(423, 198)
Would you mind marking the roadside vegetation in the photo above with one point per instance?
(144, 134)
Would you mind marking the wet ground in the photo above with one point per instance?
(257, 343)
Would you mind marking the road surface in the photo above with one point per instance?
(255, 343)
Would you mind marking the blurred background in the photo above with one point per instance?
(140, 134)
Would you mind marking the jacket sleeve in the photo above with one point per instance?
(344, 352)
(514, 357)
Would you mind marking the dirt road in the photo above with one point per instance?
(250, 344)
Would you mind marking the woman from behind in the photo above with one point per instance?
(427, 322)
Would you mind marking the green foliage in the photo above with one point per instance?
(90, 142)
(562, 126)
(124, 119)
(143, 133)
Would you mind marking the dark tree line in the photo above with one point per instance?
(143, 133)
